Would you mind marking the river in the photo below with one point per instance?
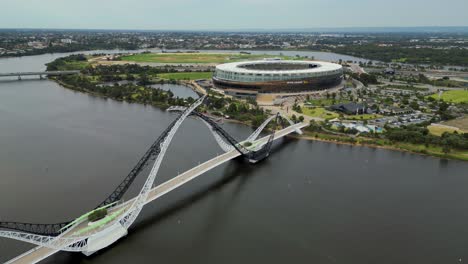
(62, 152)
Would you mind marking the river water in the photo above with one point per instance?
(62, 152)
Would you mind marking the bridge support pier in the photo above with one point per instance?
(41, 77)
(104, 238)
(19, 77)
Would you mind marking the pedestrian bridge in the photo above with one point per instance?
(40, 74)
(81, 235)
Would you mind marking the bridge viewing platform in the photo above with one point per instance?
(89, 236)
(40, 74)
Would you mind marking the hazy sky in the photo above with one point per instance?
(230, 14)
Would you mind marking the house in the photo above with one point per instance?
(391, 110)
(389, 71)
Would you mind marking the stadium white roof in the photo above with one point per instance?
(236, 67)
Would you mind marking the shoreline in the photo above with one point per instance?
(386, 147)
(303, 137)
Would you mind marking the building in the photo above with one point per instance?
(66, 41)
(351, 109)
(276, 76)
(389, 71)
(392, 110)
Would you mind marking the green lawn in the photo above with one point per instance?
(405, 87)
(186, 75)
(196, 57)
(327, 102)
(319, 112)
(439, 130)
(461, 123)
(362, 117)
(402, 60)
(454, 96)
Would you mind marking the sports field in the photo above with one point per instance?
(198, 58)
(453, 96)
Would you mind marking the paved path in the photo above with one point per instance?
(40, 253)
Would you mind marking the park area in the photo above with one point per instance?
(319, 112)
(325, 102)
(453, 96)
(185, 75)
(196, 58)
(459, 125)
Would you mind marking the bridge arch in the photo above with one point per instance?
(78, 243)
(59, 236)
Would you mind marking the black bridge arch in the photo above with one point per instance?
(151, 154)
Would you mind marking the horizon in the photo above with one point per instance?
(195, 15)
(378, 29)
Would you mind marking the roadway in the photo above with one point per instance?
(40, 253)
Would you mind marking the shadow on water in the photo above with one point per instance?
(237, 172)
(15, 80)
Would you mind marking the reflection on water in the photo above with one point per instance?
(178, 90)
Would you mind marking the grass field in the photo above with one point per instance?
(461, 123)
(186, 75)
(454, 96)
(195, 57)
(362, 117)
(319, 112)
(326, 102)
(439, 130)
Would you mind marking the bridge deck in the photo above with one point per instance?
(40, 253)
(38, 73)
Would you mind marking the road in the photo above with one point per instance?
(40, 253)
(356, 68)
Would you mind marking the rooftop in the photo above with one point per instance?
(279, 66)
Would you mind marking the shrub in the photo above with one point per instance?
(97, 215)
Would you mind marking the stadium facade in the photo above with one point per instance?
(276, 76)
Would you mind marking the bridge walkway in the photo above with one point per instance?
(40, 253)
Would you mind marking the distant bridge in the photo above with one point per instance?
(81, 235)
(40, 74)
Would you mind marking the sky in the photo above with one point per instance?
(230, 14)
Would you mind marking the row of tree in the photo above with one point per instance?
(420, 135)
(126, 92)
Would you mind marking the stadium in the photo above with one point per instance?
(276, 76)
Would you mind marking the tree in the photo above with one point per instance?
(301, 119)
(446, 149)
(144, 80)
(232, 109)
(97, 215)
(414, 105)
(294, 118)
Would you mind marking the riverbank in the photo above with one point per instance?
(381, 144)
(82, 90)
(337, 139)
